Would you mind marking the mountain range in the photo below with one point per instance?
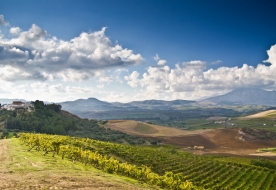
(252, 96)
(93, 104)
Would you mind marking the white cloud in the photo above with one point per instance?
(192, 80)
(156, 57)
(35, 51)
(216, 62)
(100, 86)
(271, 55)
(2, 21)
(9, 73)
(132, 79)
(159, 61)
(15, 30)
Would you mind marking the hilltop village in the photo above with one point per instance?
(18, 105)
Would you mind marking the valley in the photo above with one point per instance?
(240, 139)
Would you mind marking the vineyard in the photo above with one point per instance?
(163, 166)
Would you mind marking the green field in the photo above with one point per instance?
(159, 163)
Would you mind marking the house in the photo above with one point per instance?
(16, 105)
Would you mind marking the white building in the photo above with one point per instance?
(17, 105)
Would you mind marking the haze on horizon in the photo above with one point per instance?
(135, 50)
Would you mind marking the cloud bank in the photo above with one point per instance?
(193, 80)
(40, 56)
(36, 56)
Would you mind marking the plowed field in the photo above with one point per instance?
(148, 130)
(225, 141)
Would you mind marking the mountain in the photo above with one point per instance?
(154, 104)
(246, 96)
(93, 104)
(90, 104)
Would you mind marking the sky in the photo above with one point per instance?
(121, 50)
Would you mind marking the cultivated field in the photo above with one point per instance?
(148, 130)
(163, 166)
(20, 169)
(215, 141)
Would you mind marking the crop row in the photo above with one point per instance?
(80, 150)
(204, 172)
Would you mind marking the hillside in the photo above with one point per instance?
(246, 96)
(165, 166)
(21, 169)
(50, 119)
(265, 114)
(147, 130)
(90, 104)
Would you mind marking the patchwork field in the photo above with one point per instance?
(215, 141)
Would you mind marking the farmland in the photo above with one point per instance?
(202, 172)
(215, 141)
(145, 129)
(22, 169)
(228, 159)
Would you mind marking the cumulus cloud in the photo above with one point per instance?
(190, 78)
(2, 21)
(9, 73)
(35, 51)
(271, 55)
(15, 30)
(132, 79)
(161, 62)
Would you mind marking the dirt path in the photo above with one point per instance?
(19, 169)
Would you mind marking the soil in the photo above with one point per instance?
(229, 141)
(215, 141)
(132, 127)
(189, 141)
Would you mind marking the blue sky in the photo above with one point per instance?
(134, 50)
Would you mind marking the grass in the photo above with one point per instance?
(144, 128)
(260, 123)
(195, 124)
(50, 172)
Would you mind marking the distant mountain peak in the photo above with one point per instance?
(254, 96)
